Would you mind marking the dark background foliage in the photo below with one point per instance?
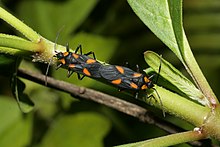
(116, 35)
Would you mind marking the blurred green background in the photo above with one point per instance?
(117, 36)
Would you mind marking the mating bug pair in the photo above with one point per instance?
(122, 77)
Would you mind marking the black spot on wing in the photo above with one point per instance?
(78, 68)
(94, 69)
(109, 72)
(125, 84)
(82, 59)
(128, 72)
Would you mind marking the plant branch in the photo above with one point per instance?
(180, 106)
(197, 75)
(85, 93)
(12, 51)
(17, 43)
(170, 140)
(19, 25)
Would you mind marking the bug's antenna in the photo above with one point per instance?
(160, 101)
(158, 73)
(51, 59)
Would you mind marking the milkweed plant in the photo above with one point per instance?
(197, 104)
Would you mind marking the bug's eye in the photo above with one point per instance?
(150, 84)
(59, 55)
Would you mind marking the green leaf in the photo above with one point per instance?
(15, 129)
(19, 25)
(175, 77)
(47, 17)
(17, 87)
(24, 102)
(4, 60)
(163, 18)
(84, 129)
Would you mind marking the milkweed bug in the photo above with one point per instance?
(79, 63)
(76, 62)
(127, 79)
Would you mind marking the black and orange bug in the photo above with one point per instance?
(79, 63)
(76, 62)
(126, 79)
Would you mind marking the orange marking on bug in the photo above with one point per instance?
(86, 72)
(120, 69)
(75, 56)
(72, 65)
(62, 61)
(116, 82)
(90, 61)
(143, 87)
(133, 85)
(136, 75)
(146, 80)
(65, 54)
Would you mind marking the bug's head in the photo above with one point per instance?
(150, 84)
(60, 55)
(147, 84)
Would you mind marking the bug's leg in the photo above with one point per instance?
(137, 68)
(67, 47)
(89, 53)
(136, 95)
(55, 54)
(79, 77)
(127, 64)
(82, 77)
(121, 89)
(69, 73)
(58, 66)
(152, 76)
(79, 48)
(150, 97)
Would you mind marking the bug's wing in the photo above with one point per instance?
(128, 72)
(94, 69)
(82, 59)
(128, 84)
(109, 72)
(76, 68)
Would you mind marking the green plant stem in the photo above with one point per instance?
(212, 123)
(180, 106)
(14, 42)
(19, 25)
(196, 73)
(11, 51)
(169, 140)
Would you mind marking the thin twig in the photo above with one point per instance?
(89, 94)
(123, 106)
